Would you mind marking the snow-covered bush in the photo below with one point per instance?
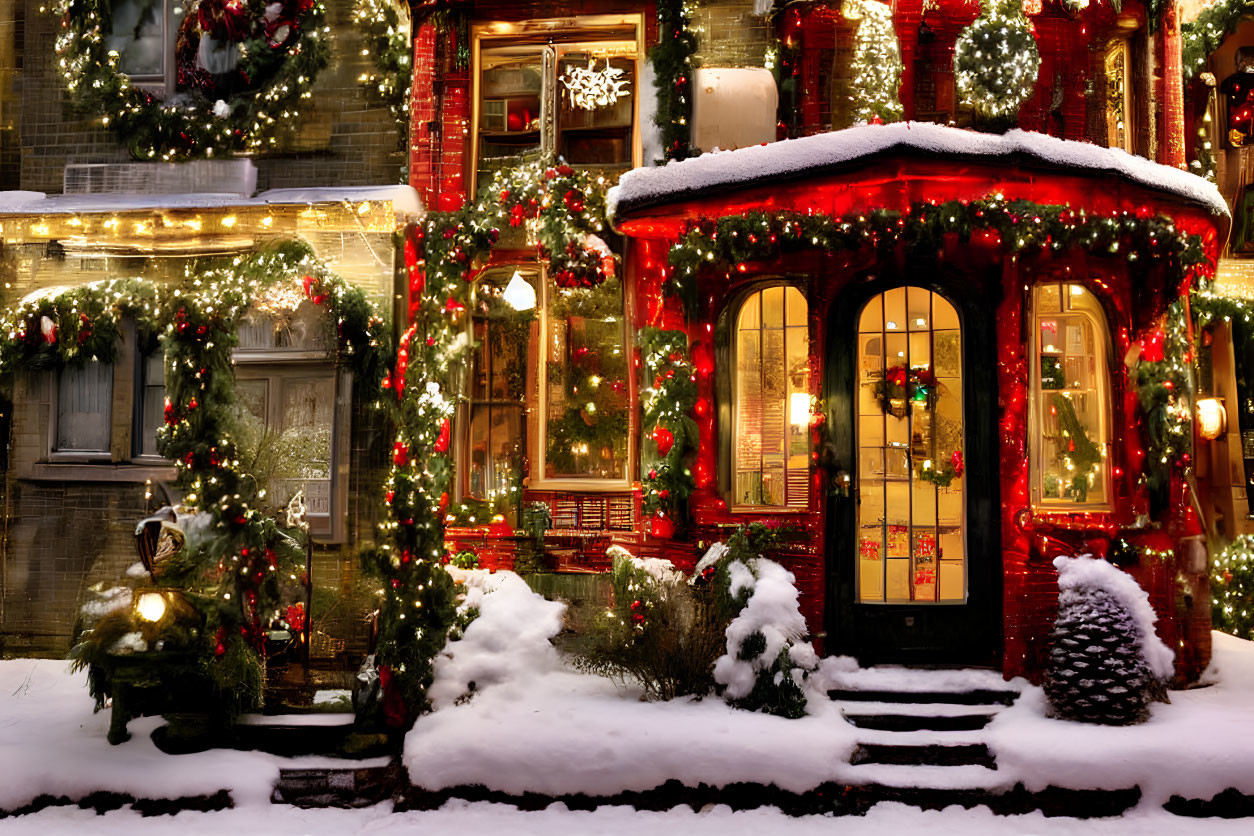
(1106, 663)
(659, 631)
(768, 658)
(503, 631)
(1232, 588)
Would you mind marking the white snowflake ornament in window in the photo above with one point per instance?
(589, 88)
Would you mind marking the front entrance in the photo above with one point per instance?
(912, 531)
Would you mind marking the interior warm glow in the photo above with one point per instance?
(1212, 418)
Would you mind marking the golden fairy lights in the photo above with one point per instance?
(876, 61)
(996, 60)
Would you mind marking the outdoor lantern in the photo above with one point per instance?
(151, 606)
(799, 408)
(519, 294)
(1212, 418)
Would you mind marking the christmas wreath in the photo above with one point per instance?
(996, 62)
(902, 385)
(242, 68)
(943, 476)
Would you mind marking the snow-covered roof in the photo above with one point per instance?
(404, 199)
(794, 158)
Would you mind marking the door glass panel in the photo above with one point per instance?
(910, 445)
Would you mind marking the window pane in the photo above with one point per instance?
(152, 401)
(510, 90)
(585, 383)
(771, 457)
(84, 396)
(595, 130)
(910, 443)
(139, 36)
(1070, 397)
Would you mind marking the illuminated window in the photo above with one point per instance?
(583, 369)
(571, 93)
(772, 401)
(504, 341)
(1070, 428)
(911, 472)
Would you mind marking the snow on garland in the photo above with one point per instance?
(1106, 661)
(243, 69)
(996, 61)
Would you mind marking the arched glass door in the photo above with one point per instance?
(910, 439)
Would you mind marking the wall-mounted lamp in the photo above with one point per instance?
(1212, 418)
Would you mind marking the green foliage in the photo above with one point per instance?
(1213, 24)
(876, 64)
(465, 560)
(667, 401)
(659, 632)
(1232, 588)
(1075, 447)
(996, 62)
(1163, 388)
(672, 70)
(279, 80)
(386, 31)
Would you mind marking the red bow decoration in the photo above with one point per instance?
(664, 438)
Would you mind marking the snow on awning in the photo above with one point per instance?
(793, 158)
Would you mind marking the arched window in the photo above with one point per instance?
(771, 456)
(910, 437)
(1070, 407)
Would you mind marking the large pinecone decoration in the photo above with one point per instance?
(1097, 673)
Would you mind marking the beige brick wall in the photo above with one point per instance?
(730, 35)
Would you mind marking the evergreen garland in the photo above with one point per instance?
(1164, 385)
(1232, 588)
(279, 77)
(670, 434)
(996, 62)
(1207, 32)
(672, 69)
(385, 28)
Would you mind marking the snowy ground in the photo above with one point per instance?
(535, 725)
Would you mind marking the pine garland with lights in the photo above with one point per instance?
(1206, 33)
(723, 246)
(996, 62)
(1232, 588)
(229, 571)
(563, 211)
(672, 76)
(670, 433)
(279, 58)
(1164, 383)
(876, 64)
(385, 26)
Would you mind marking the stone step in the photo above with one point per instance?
(964, 754)
(918, 722)
(982, 696)
(338, 787)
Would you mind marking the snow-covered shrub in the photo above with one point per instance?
(1106, 663)
(1232, 588)
(768, 658)
(503, 631)
(659, 631)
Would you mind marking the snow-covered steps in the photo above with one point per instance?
(919, 722)
(313, 733)
(979, 696)
(928, 754)
(360, 786)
